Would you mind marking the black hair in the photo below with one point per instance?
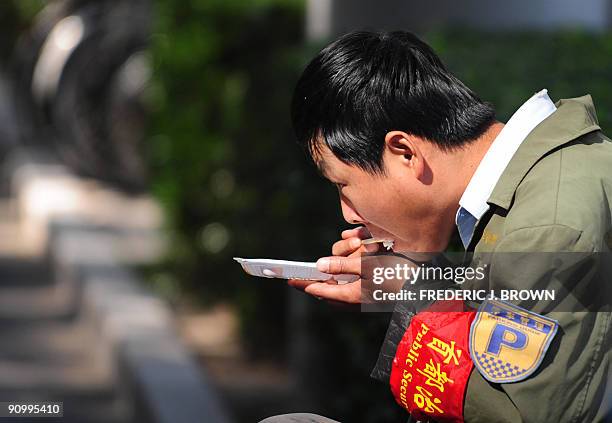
(366, 84)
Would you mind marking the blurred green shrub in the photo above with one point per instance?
(224, 161)
(507, 68)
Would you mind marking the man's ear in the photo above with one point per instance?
(406, 148)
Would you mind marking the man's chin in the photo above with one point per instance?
(419, 246)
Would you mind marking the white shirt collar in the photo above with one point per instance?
(494, 162)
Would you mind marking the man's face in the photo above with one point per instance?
(399, 205)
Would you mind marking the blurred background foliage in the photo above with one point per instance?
(224, 163)
(15, 18)
(507, 68)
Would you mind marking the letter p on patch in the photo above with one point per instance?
(503, 335)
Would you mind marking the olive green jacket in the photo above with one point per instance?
(554, 196)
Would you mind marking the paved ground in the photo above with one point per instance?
(49, 350)
(250, 390)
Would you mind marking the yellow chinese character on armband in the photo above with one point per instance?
(446, 350)
(423, 400)
(435, 377)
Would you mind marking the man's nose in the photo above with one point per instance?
(349, 213)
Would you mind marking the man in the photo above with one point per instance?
(415, 154)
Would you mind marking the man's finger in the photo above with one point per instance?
(347, 293)
(358, 232)
(347, 246)
(300, 283)
(340, 265)
(350, 246)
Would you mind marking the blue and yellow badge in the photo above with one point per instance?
(508, 343)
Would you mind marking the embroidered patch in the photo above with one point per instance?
(508, 343)
(489, 237)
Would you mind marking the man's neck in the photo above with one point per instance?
(474, 154)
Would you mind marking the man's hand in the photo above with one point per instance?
(345, 259)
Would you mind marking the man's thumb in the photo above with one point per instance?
(339, 265)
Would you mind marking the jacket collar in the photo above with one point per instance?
(574, 117)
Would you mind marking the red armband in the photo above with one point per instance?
(432, 363)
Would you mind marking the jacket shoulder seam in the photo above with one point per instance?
(544, 226)
(556, 212)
